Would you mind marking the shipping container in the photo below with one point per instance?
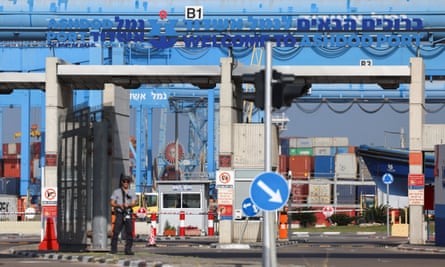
(301, 167)
(346, 194)
(319, 193)
(346, 166)
(322, 141)
(9, 186)
(300, 142)
(365, 190)
(248, 146)
(324, 151)
(299, 193)
(342, 149)
(11, 151)
(284, 146)
(8, 208)
(340, 141)
(300, 151)
(284, 165)
(11, 167)
(324, 166)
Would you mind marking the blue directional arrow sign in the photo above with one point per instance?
(387, 178)
(269, 191)
(249, 208)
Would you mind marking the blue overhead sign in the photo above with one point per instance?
(269, 191)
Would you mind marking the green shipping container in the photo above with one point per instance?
(300, 151)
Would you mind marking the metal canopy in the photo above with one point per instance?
(21, 80)
(132, 76)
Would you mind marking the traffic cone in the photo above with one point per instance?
(49, 242)
(152, 238)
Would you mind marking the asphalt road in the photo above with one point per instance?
(313, 251)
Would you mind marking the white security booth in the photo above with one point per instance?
(183, 200)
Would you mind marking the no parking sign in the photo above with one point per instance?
(49, 196)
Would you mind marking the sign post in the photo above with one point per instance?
(269, 191)
(269, 245)
(387, 179)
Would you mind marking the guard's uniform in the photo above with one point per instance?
(123, 219)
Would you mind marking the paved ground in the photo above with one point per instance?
(27, 246)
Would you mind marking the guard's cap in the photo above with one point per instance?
(125, 178)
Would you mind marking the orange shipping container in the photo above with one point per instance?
(284, 165)
(11, 167)
(301, 166)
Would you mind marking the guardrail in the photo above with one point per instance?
(19, 216)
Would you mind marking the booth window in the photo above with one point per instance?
(181, 200)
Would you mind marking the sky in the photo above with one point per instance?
(360, 127)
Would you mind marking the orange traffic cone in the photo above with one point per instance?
(49, 242)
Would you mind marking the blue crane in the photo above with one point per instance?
(196, 103)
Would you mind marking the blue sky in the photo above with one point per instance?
(359, 126)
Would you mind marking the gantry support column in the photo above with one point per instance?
(416, 121)
(58, 100)
(111, 158)
(228, 116)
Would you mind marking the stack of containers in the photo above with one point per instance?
(314, 163)
(300, 167)
(346, 168)
(284, 156)
(320, 190)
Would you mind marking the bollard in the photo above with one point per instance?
(133, 222)
(283, 226)
(210, 222)
(181, 223)
(153, 222)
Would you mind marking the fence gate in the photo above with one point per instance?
(81, 146)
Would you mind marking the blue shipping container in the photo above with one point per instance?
(9, 186)
(346, 194)
(324, 166)
(284, 146)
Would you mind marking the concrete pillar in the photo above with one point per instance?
(100, 197)
(416, 121)
(227, 116)
(58, 100)
(116, 101)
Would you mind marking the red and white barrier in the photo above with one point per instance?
(152, 237)
(182, 223)
(210, 222)
(153, 222)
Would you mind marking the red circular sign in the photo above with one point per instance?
(328, 211)
(224, 178)
(50, 194)
(141, 212)
(162, 14)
